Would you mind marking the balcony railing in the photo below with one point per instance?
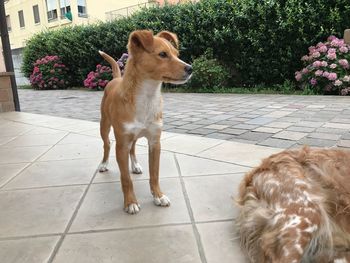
(127, 11)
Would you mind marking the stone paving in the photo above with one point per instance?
(56, 207)
(270, 120)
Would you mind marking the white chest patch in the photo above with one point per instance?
(148, 106)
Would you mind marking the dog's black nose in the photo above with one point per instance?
(188, 69)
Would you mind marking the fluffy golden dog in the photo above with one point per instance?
(295, 207)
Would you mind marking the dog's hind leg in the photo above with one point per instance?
(105, 127)
(135, 166)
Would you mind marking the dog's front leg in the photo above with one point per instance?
(122, 151)
(153, 157)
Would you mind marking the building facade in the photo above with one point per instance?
(28, 17)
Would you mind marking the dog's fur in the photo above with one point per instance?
(295, 207)
(133, 106)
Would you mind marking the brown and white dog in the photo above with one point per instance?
(133, 106)
(295, 207)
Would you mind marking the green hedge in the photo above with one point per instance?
(260, 41)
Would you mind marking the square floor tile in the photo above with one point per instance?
(103, 207)
(239, 153)
(5, 139)
(211, 197)
(28, 250)
(21, 154)
(14, 129)
(80, 126)
(36, 140)
(75, 151)
(167, 168)
(43, 130)
(39, 211)
(84, 150)
(290, 135)
(190, 165)
(74, 138)
(226, 248)
(172, 244)
(8, 171)
(55, 173)
(188, 144)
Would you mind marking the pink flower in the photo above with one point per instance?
(344, 63)
(331, 50)
(336, 43)
(312, 49)
(52, 71)
(331, 56)
(304, 71)
(338, 82)
(324, 64)
(345, 91)
(331, 38)
(298, 76)
(343, 49)
(305, 58)
(332, 76)
(313, 82)
(317, 64)
(322, 49)
(346, 78)
(333, 66)
(318, 73)
(316, 54)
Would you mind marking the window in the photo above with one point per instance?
(21, 18)
(36, 14)
(82, 8)
(65, 8)
(8, 23)
(51, 10)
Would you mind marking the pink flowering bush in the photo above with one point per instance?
(327, 68)
(99, 78)
(49, 73)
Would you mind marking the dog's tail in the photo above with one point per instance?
(115, 68)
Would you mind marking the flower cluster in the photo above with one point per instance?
(99, 78)
(49, 73)
(327, 67)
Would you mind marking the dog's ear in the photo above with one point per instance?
(171, 37)
(141, 40)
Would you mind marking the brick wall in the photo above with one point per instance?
(6, 97)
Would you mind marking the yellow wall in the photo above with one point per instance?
(2, 61)
(96, 11)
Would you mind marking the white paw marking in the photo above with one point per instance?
(136, 168)
(132, 209)
(161, 201)
(103, 167)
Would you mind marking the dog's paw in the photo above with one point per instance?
(133, 208)
(136, 168)
(103, 167)
(161, 201)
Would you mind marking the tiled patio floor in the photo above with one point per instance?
(56, 207)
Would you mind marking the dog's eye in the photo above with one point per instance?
(163, 54)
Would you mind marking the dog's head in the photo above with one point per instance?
(157, 56)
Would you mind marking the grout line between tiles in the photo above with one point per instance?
(70, 222)
(30, 236)
(190, 212)
(114, 229)
(40, 187)
(209, 148)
